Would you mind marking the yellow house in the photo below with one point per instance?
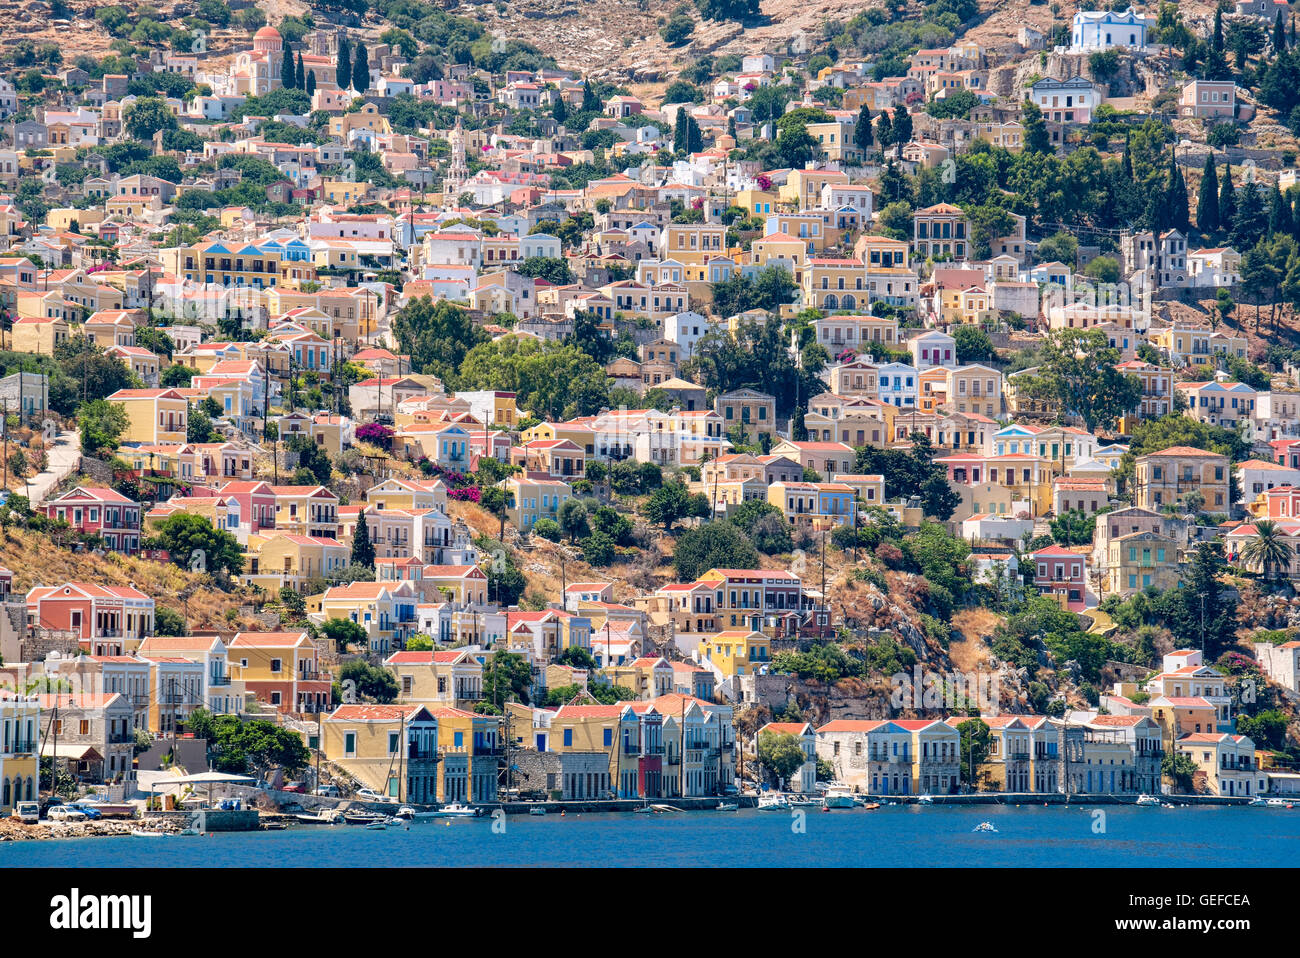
(224, 264)
(694, 244)
(155, 415)
(392, 749)
(278, 561)
(736, 652)
(37, 334)
(534, 496)
(395, 493)
(20, 751)
(282, 669)
(367, 118)
(804, 187)
(584, 437)
(757, 202)
(346, 192)
(451, 677)
(781, 249)
(470, 747)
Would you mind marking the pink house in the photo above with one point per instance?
(92, 510)
(1059, 571)
(256, 504)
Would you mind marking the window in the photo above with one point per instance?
(275, 665)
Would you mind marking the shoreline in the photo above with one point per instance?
(11, 830)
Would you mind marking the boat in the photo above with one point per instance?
(773, 802)
(1147, 801)
(925, 800)
(804, 801)
(537, 810)
(378, 826)
(1280, 803)
(407, 814)
(455, 810)
(1259, 801)
(984, 827)
(142, 833)
(363, 818)
(839, 796)
(871, 806)
(188, 832)
(726, 807)
(274, 826)
(320, 818)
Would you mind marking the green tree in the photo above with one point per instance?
(862, 137)
(973, 345)
(1267, 549)
(343, 66)
(363, 550)
(168, 622)
(1077, 371)
(255, 747)
(1037, 139)
(437, 336)
(1207, 203)
(101, 424)
(975, 745)
(1179, 769)
(507, 677)
(345, 632)
(288, 69)
(1073, 528)
(360, 69)
(372, 683)
(146, 116)
(672, 502)
(781, 754)
(713, 545)
(193, 543)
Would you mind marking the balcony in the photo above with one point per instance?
(1019, 757)
(424, 755)
(218, 680)
(24, 747)
(488, 751)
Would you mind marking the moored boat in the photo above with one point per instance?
(839, 796)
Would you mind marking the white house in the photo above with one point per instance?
(1103, 30)
(686, 329)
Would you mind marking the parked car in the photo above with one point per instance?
(29, 813)
(370, 795)
(65, 813)
(327, 791)
(90, 811)
(296, 787)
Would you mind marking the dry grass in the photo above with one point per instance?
(971, 627)
(34, 561)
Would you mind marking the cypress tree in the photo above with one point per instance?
(1227, 200)
(300, 75)
(679, 131)
(311, 82)
(1177, 189)
(589, 101)
(884, 130)
(363, 550)
(288, 80)
(1216, 40)
(360, 69)
(902, 127)
(862, 132)
(1128, 159)
(1207, 203)
(1279, 34)
(1291, 38)
(561, 111)
(1279, 213)
(343, 70)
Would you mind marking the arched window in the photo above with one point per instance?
(831, 302)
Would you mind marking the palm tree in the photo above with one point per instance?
(1268, 550)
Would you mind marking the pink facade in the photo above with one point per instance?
(100, 512)
(1061, 572)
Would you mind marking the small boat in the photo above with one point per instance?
(871, 806)
(537, 810)
(726, 807)
(455, 810)
(408, 814)
(320, 818)
(189, 832)
(1259, 801)
(363, 818)
(804, 801)
(274, 826)
(1280, 803)
(984, 827)
(656, 809)
(839, 796)
(925, 800)
(378, 826)
(773, 802)
(142, 833)
(1147, 801)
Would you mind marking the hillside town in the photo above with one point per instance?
(394, 414)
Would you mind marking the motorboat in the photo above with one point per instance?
(804, 801)
(378, 826)
(773, 802)
(322, 817)
(455, 810)
(839, 796)
(537, 810)
(142, 833)
(656, 809)
(984, 827)
(925, 800)
(408, 814)
(363, 818)
(871, 806)
(1147, 801)
(726, 807)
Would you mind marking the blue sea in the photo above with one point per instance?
(897, 836)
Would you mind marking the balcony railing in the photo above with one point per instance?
(424, 755)
(489, 751)
(1019, 756)
(24, 746)
(215, 680)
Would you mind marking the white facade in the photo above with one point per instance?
(1102, 30)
